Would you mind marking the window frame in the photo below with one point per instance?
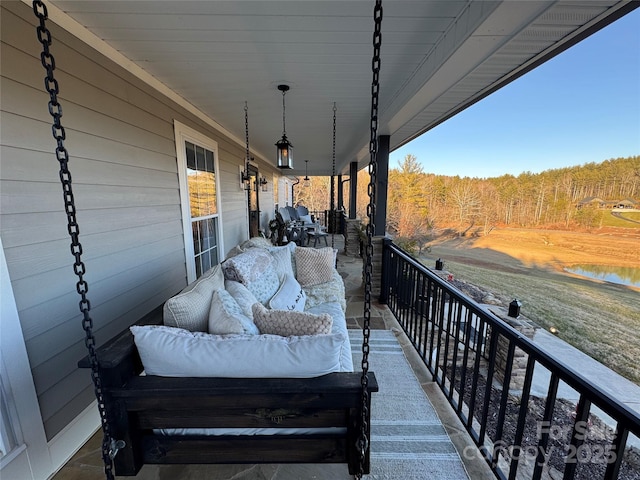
(183, 134)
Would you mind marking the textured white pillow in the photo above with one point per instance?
(242, 295)
(288, 323)
(173, 352)
(306, 219)
(290, 296)
(314, 265)
(190, 308)
(226, 317)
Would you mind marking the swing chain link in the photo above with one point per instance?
(363, 442)
(109, 446)
(246, 136)
(333, 175)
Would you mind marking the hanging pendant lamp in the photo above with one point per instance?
(307, 180)
(283, 147)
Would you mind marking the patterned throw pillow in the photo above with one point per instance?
(265, 287)
(226, 317)
(290, 323)
(314, 265)
(248, 266)
(291, 296)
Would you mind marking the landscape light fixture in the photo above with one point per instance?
(283, 147)
(514, 308)
(439, 264)
(306, 179)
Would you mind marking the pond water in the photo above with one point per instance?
(621, 275)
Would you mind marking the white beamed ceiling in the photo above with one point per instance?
(438, 57)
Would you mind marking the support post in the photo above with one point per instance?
(382, 178)
(384, 274)
(340, 193)
(353, 189)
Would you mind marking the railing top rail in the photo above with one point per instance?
(602, 399)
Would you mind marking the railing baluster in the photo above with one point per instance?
(577, 436)
(615, 454)
(465, 358)
(522, 417)
(493, 347)
(456, 336)
(503, 405)
(546, 422)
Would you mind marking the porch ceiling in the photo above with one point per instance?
(438, 57)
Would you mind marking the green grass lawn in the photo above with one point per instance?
(602, 320)
(609, 220)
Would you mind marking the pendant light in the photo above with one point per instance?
(284, 148)
(307, 180)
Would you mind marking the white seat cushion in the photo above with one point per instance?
(174, 352)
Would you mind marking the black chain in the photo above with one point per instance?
(246, 135)
(363, 442)
(333, 175)
(55, 109)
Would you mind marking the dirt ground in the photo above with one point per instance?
(521, 250)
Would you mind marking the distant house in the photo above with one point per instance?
(627, 203)
(593, 202)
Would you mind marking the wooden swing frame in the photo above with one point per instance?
(136, 405)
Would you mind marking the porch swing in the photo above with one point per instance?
(333, 410)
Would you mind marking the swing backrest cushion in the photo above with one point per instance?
(173, 352)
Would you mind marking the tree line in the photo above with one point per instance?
(419, 201)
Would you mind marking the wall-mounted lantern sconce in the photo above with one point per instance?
(514, 308)
(263, 183)
(245, 179)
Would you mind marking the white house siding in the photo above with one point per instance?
(121, 142)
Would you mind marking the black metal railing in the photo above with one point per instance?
(531, 416)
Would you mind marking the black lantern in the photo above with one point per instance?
(439, 264)
(514, 308)
(263, 183)
(283, 147)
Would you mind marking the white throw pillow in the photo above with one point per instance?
(288, 323)
(314, 265)
(290, 296)
(226, 317)
(282, 260)
(242, 295)
(173, 352)
(306, 219)
(190, 308)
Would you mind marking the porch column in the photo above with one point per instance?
(382, 183)
(340, 193)
(353, 188)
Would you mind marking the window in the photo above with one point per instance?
(199, 194)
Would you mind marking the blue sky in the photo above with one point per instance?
(581, 106)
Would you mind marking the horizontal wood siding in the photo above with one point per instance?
(120, 138)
